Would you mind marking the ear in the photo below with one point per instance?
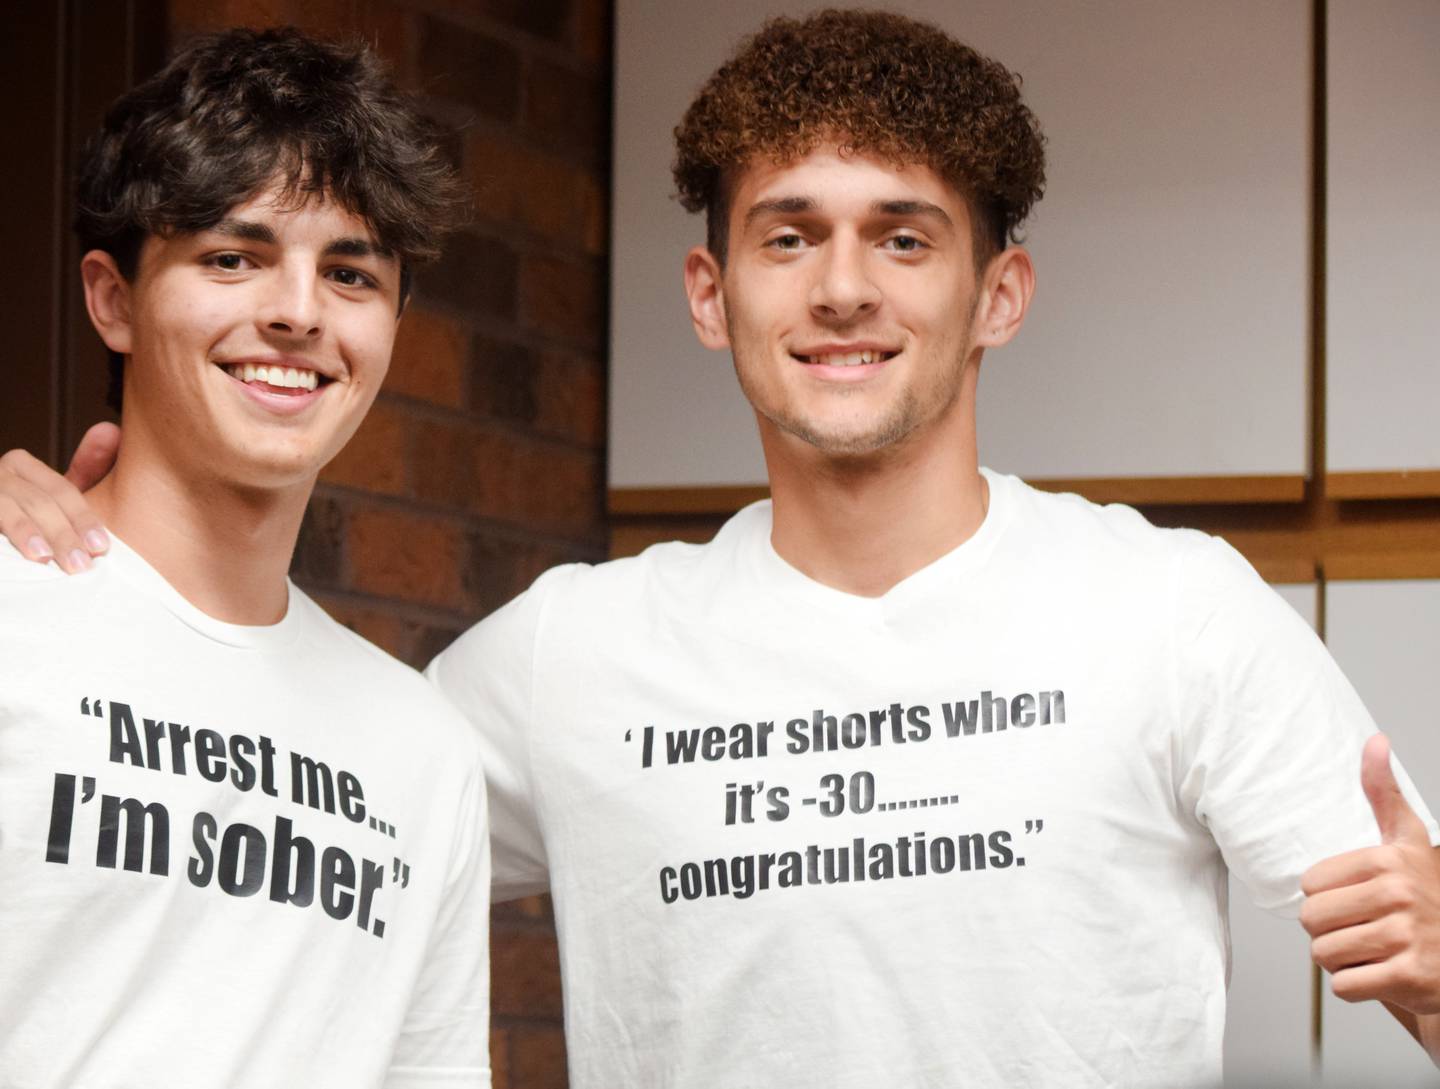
(707, 298)
(1005, 294)
(107, 297)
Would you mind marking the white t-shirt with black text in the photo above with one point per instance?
(229, 855)
(973, 832)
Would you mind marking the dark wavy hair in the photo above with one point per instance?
(236, 111)
(873, 82)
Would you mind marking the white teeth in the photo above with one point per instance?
(280, 377)
(847, 359)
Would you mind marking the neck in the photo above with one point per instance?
(863, 524)
(225, 549)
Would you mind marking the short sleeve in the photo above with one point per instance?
(445, 1039)
(1271, 731)
(488, 673)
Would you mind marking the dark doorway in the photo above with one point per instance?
(65, 62)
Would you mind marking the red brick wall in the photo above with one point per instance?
(482, 462)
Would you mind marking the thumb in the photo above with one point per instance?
(94, 457)
(1398, 822)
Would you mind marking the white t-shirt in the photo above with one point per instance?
(229, 856)
(973, 832)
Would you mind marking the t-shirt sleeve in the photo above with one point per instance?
(489, 674)
(1271, 731)
(445, 1039)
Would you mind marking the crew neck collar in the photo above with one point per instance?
(125, 563)
(925, 583)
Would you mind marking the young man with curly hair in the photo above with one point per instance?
(914, 776)
(238, 845)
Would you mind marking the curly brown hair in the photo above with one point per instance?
(873, 82)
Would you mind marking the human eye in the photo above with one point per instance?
(228, 262)
(786, 242)
(346, 276)
(905, 244)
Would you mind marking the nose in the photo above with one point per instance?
(843, 288)
(292, 306)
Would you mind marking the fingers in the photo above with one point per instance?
(1351, 868)
(1399, 980)
(94, 457)
(1353, 904)
(1367, 943)
(43, 515)
(1398, 822)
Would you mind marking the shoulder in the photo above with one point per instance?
(579, 606)
(1102, 533)
(663, 572)
(660, 573)
(15, 568)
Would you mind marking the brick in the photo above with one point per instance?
(384, 629)
(319, 551)
(375, 458)
(543, 18)
(549, 19)
(445, 463)
(569, 394)
(499, 569)
(595, 222)
(405, 556)
(474, 275)
(495, 167)
(537, 1057)
(503, 381)
(535, 484)
(429, 641)
(524, 975)
(568, 107)
(553, 197)
(500, 1059)
(470, 68)
(429, 361)
(531, 907)
(562, 297)
(381, 23)
(594, 31)
(529, 483)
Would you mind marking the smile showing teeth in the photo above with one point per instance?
(848, 359)
(279, 377)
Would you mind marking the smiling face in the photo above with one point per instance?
(255, 347)
(849, 299)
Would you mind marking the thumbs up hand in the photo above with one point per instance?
(1374, 914)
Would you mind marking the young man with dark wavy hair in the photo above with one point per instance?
(915, 776)
(238, 845)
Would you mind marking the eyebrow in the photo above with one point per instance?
(912, 208)
(250, 231)
(789, 206)
(356, 247)
(785, 206)
(245, 230)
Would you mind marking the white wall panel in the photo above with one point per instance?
(1386, 637)
(1383, 265)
